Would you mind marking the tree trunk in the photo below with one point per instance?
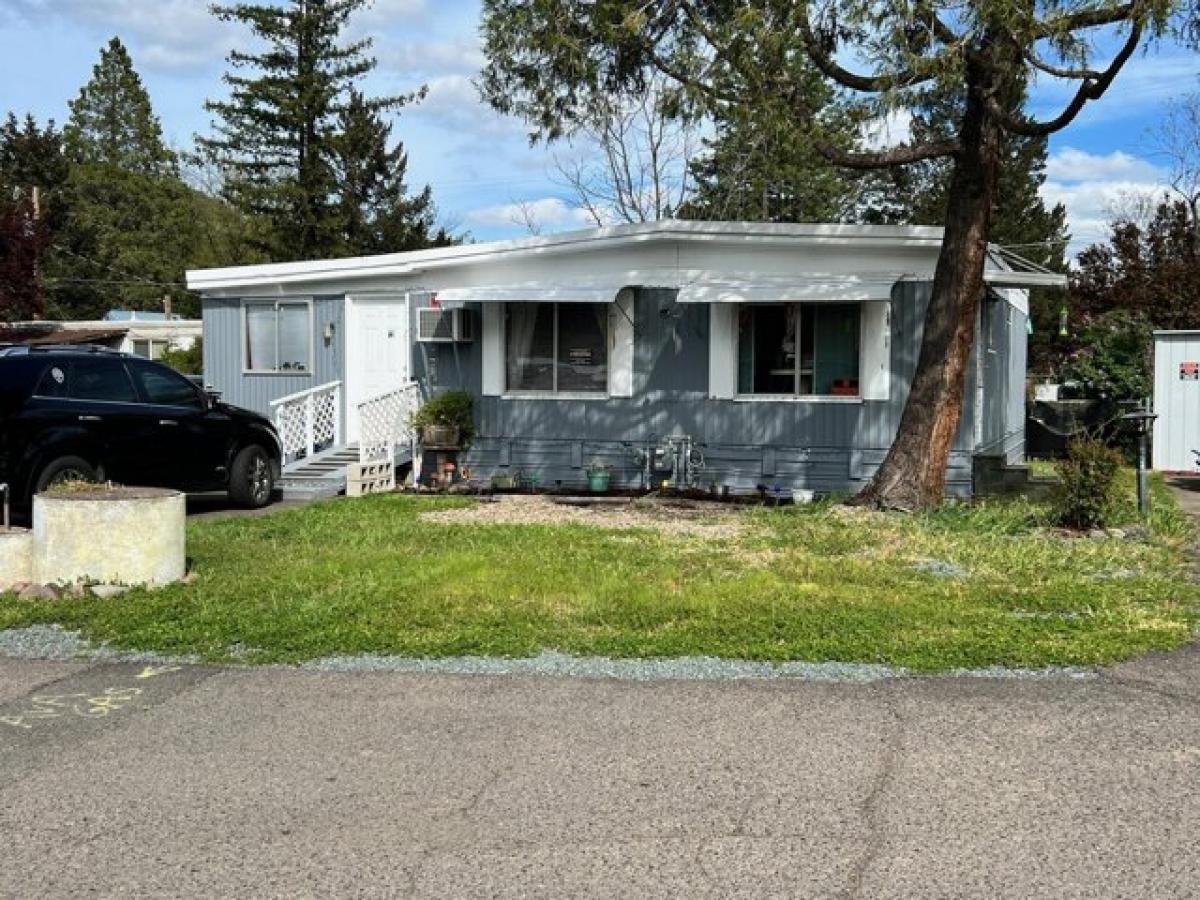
(913, 475)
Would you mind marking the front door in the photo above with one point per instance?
(377, 351)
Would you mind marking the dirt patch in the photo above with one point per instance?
(101, 492)
(711, 520)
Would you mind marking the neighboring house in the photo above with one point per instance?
(147, 334)
(783, 352)
(1177, 401)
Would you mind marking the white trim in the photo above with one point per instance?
(244, 337)
(550, 395)
(800, 289)
(730, 234)
(795, 398)
(456, 298)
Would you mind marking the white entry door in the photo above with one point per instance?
(377, 351)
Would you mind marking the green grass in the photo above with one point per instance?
(815, 583)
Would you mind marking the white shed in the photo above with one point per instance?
(1176, 400)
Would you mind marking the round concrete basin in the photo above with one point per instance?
(16, 557)
(131, 536)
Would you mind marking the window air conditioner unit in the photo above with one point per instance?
(444, 326)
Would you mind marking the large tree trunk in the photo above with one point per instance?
(913, 475)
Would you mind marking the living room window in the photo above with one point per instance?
(278, 336)
(799, 349)
(556, 348)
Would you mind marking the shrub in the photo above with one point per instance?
(454, 409)
(186, 362)
(1087, 481)
(1115, 359)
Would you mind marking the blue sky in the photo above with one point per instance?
(480, 164)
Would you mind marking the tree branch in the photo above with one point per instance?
(1087, 18)
(883, 159)
(1059, 72)
(1091, 89)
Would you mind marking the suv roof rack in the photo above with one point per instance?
(82, 349)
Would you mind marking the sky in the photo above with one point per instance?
(480, 164)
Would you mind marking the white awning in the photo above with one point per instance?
(794, 291)
(454, 298)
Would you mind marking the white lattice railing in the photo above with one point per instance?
(383, 423)
(309, 421)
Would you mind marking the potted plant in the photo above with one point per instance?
(447, 420)
(598, 475)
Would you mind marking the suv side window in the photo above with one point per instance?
(54, 381)
(104, 380)
(161, 386)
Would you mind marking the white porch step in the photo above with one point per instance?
(325, 474)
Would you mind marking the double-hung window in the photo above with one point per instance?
(278, 336)
(556, 348)
(150, 349)
(799, 349)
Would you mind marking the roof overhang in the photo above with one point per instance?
(790, 291)
(455, 298)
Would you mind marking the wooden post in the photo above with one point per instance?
(309, 439)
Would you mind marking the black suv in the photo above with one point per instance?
(95, 414)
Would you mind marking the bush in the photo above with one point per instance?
(1115, 359)
(1087, 481)
(186, 362)
(454, 409)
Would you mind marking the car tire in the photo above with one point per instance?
(65, 468)
(251, 478)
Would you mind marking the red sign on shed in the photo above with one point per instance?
(1189, 371)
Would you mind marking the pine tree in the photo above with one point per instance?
(758, 167)
(276, 137)
(112, 122)
(377, 215)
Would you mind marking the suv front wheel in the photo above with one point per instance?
(251, 478)
(64, 469)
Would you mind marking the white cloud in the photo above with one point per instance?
(1090, 185)
(164, 34)
(549, 213)
(462, 57)
(1072, 165)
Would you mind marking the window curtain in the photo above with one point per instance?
(260, 338)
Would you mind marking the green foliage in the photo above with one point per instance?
(1114, 360)
(186, 362)
(112, 122)
(1085, 495)
(454, 409)
(377, 214)
(377, 575)
(300, 149)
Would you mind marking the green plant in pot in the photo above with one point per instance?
(447, 420)
(598, 476)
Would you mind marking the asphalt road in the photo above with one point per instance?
(118, 779)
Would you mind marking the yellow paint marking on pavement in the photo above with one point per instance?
(151, 671)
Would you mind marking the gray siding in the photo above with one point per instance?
(829, 447)
(1004, 342)
(224, 355)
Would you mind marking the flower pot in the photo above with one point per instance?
(439, 436)
(598, 480)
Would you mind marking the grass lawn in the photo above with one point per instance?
(815, 583)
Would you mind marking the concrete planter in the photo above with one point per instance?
(132, 536)
(16, 558)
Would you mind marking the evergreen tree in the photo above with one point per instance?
(276, 137)
(377, 215)
(112, 122)
(23, 241)
(759, 168)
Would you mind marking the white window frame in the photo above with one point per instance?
(163, 343)
(554, 393)
(795, 396)
(277, 302)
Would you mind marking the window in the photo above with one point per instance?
(557, 347)
(150, 349)
(799, 349)
(101, 379)
(278, 336)
(53, 382)
(164, 388)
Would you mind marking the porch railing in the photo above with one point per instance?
(309, 421)
(384, 423)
